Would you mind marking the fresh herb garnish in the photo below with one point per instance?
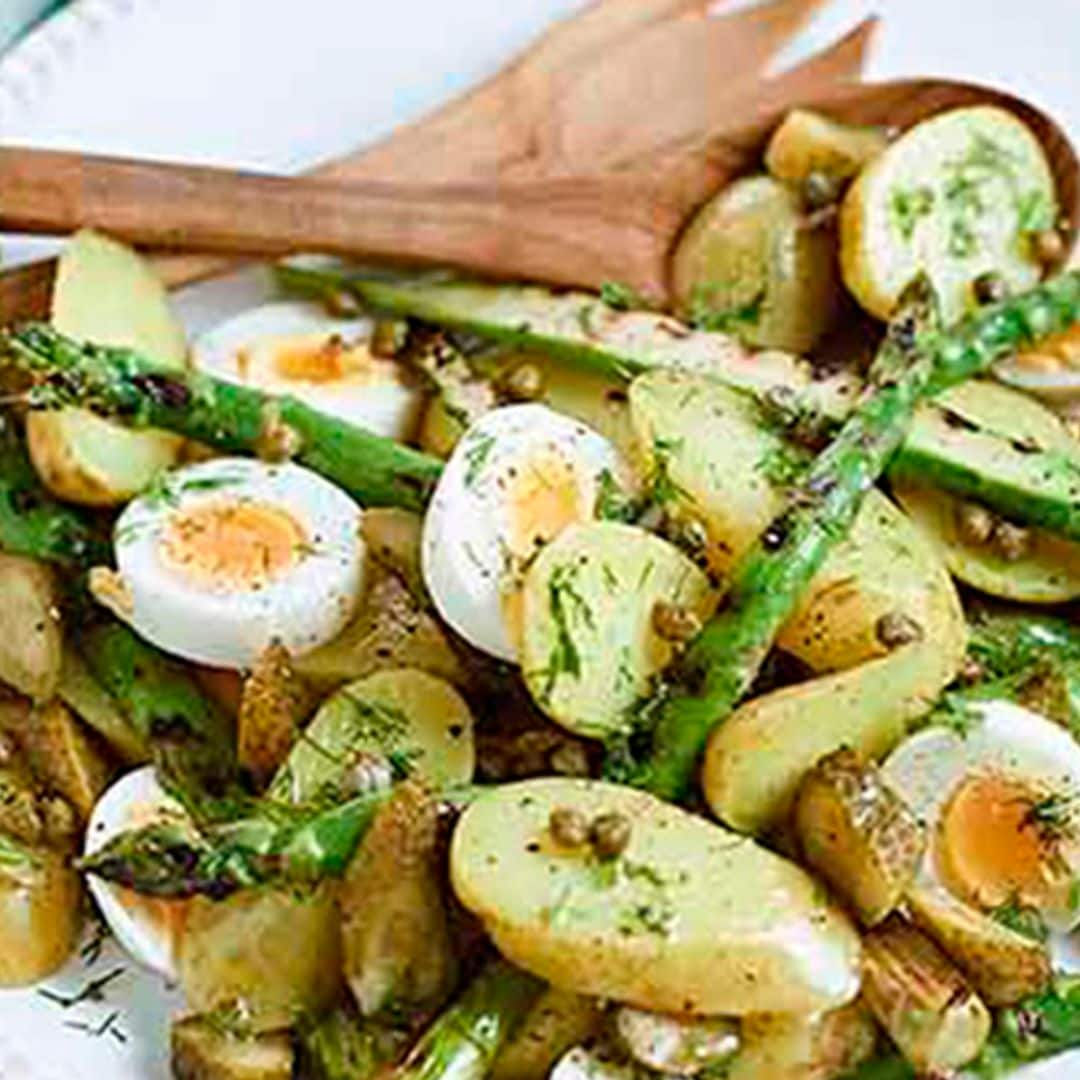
(663, 490)
(94, 990)
(909, 206)
(704, 315)
(622, 297)
(567, 608)
(476, 455)
(1021, 919)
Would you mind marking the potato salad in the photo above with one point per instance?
(440, 679)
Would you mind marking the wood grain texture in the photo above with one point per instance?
(536, 115)
(571, 231)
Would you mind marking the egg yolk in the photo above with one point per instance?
(232, 544)
(312, 358)
(996, 846)
(543, 497)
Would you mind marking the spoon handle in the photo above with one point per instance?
(568, 231)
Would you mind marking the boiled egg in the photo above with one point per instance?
(298, 348)
(222, 558)
(518, 477)
(1000, 796)
(148, 928)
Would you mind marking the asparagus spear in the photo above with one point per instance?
(916, 360)
(34, 524)
(724, 659)
(121, 384)
(191, 740)
(1032, 485)
(464, 1041)
(172, 860)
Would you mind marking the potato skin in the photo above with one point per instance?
(268, 956)
(65, 757)
(201, 1051)
(31, 644)
(856, 832)
(40, 917)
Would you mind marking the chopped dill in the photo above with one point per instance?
(567, 607)
(704, 316)
(476, 455)
(908, 207)
(662, 488)
(784, 465)
(94, 990)
(1021, 919)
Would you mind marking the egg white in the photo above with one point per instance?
(142, 925)
(467, 529)
(377, 395)
(927, 768)
(227, 625)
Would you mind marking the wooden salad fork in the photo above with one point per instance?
(563, 229)
(562, 106)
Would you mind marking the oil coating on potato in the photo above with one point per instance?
(31, 644)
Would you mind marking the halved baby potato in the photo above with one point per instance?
(40, 912)
(957, 196)
(590, 641)
(31, 643)
(412, 721)
(108, 294)
(808, 142)
(749, 263)
(689, 918)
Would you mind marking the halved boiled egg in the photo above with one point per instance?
(1000, 795)
(222, 558)
(518, 477)
(148, 928)
(298, 348)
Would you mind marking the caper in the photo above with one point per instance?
(974, 523)
(674, 622)
(895, 629)
(819, 190)
(1011, 542)
(990, 288)
(610, 835)
(525, 382)
(568, 827)
(1048, 246)
(342, 304)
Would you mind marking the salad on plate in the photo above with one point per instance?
(437, 678)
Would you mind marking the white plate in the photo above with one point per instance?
(283, 85)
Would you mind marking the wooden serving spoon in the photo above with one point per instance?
(557, 106)
(567, 230)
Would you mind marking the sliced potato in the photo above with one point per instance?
(107, 294)
(677, 1045)
(819, 1046)
(921, 999)
(416, 722)
(590, 644)
(31, 643)
(726, 469)
(557, 1022)
(1003, 965)
(809, 142)
(267, 957)
(397, 947)
(858, 834)
(955, 197)
(1046, 572)
(689, 918)
(748, 263)
(65, 757)
(595, 399)
(95, 706)
(391, 630)
(755, 760)
(201, 1050)
(40, 912)
(274, 703)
